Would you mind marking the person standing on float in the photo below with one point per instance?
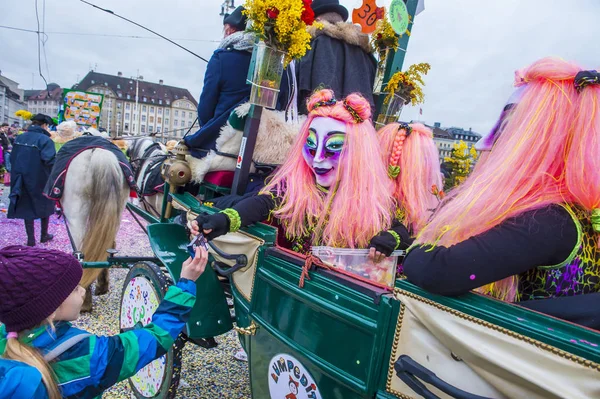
(340, 57)
(32, 158)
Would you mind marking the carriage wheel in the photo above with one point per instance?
(145, 286)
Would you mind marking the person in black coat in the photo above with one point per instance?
(224, 83)
(340, 57)
(32, 158)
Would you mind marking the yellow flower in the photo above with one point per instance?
(408, 84)
(287, 32)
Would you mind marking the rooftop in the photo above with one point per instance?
(149, 93)
(54, 92)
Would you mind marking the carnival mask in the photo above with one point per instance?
(323, 148)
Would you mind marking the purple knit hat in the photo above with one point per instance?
(34, 282)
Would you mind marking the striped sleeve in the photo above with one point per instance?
(121, 356)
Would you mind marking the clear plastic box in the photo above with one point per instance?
(357, 263)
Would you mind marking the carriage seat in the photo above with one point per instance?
(221, 178)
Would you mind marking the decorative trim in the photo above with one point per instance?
(235, 222)
(502, 330)
(396, 237)
(353, 112)
(390, 377)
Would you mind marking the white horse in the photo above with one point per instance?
(146, 156)
(93, 200)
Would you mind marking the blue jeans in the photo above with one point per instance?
(7, 161)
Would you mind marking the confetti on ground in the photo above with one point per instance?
(206, 373)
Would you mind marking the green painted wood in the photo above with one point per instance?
(210, 314)
(337, 332)
(145, 215)
(560, 334)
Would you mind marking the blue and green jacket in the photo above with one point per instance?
(96, 362)
(20, 381)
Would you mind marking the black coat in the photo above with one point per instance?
(32, 158)
(340, 60)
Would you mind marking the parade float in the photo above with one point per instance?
(314, 331)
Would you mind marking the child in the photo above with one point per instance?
(39, 295)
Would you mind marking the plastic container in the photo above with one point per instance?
(356, 262)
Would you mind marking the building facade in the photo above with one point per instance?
(46, 102)
(443, 140)
(11, 100)
(468, 136)
(163, 110)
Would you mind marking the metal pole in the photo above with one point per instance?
(394, 63)
(242, 170)
(137, 88)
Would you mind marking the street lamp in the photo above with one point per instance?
(227, 6)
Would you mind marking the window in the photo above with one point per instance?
(190, 114)
(129, 96)
(45, 102)
(127, 115)
(133, 128)
(127, 106)
(143, 108)
(118, 115)
(175, 122)
(160, 102)
(119, 105)
(145, 99)
(150, 129)
(176, 111)
(168, 102)
(143, 118)
(189, 123)
(151, 119)
(167, 121)
(143, 128)
(134, 117)
(159, 120)
(167, 111)
(151, 110)
(127, 126)
(159, 111)
(158, 129)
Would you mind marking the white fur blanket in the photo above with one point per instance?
(275, 137)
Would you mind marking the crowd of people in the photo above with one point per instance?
(522, 228)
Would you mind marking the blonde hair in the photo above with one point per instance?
(15, 350)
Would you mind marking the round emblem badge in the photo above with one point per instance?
(289, 379)
(56, 190)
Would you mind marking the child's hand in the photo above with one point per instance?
(193, 268)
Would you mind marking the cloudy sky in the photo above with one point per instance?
(473, 46)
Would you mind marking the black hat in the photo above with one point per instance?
(236, 19)
(43, 118)
(321, 7)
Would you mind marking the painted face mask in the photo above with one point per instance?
(323, 149)
(487, 141)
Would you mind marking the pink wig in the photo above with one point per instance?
(417, 158)
(358, 205)
(526, 168)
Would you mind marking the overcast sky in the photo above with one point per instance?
(473, 46)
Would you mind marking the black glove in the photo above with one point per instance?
(217, 222)
(384, 242)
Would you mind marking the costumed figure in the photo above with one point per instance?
(524, 226)
(225, 84)
(332, 190)
(340, 56)
(414, 166)
(31, 162)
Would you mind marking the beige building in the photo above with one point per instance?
(160, 109)
(46, 102)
